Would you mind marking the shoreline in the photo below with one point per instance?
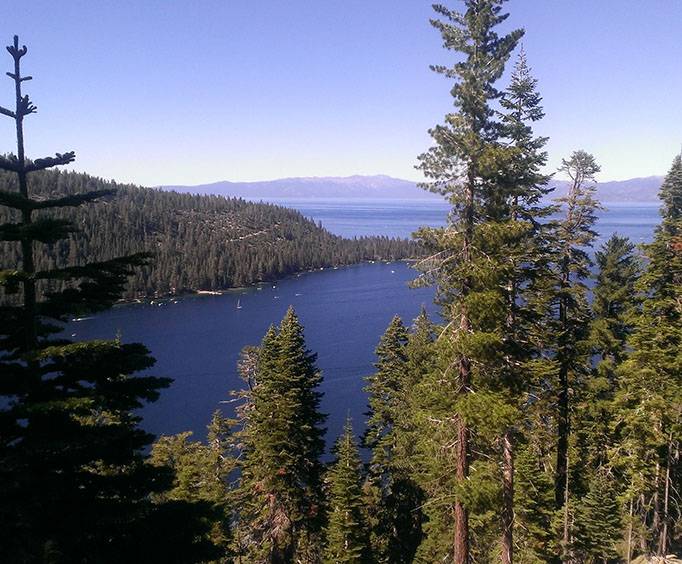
(192, 292)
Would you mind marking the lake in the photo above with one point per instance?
(197, 339)
(400, 218)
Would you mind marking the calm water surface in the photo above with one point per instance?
(197, 340)
(400, 218)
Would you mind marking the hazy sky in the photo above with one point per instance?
(192, 91)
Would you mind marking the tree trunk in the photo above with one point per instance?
(461, 515)
(561, 473)
(663, 539)
(566, 552)
(461, 539)
(644, 549)
(507, 548)
(628, 540)
(30, 337)
(656, 502)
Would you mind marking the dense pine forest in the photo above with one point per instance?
(537, 419)
(198, 242)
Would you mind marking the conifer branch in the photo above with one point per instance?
(19, 202)
(13, 164)
(14, 50)
(120, 266)
(10, 280)
(58, 160)
(21, 79)
(45, 230)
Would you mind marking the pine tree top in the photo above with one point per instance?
(671, 192)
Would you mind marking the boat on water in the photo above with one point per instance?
(239, 304)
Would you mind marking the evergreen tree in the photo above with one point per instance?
(346, 533)
(392, 497)
(525, 248)
(614, 303)
(573, 235)
(201, 474)
(279, 495)
(649, 399)
(463, 165)
(385, 391)
(534, 509)
(419, 349)
(521, 108)
(75, 483)
(598, 521)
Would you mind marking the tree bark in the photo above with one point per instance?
(461, 540)
(30, 337)
(663, 539)
(656, 502)
(563, 429)
(628, 540)
(567, 534)
(507, 548)
(461, 514)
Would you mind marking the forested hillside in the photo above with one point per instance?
(199, 242)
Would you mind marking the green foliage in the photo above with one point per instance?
(201, 474)
(614, 298)
(280, 499)
(614, 303)
(598, 522)
(346, 533)
(649, 400)
(199, 242)
(75, 483)
(573, 234)
(392, 498)
(534, 507)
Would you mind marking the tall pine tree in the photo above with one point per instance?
(573, 233)
(75, 483)
(463, 165)
(527, 258)
(280, 491)
(392, 496)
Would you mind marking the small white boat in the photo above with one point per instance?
(239, 304)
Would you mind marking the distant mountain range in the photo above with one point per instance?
(386, 187)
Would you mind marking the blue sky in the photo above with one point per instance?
(186, 92)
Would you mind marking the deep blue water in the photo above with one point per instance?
(197, 340)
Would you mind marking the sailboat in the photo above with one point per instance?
(239, 304)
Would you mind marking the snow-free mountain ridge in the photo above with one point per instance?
(385, 187)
